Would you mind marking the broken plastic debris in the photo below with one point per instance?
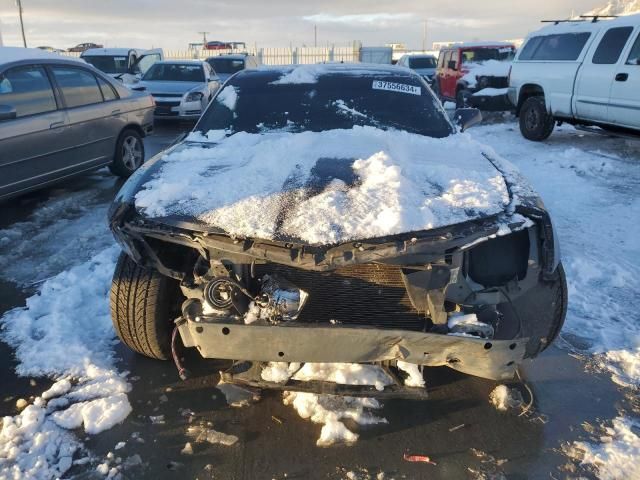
(157, 419)
(237, 396)
(458, 427)
(418, 458)
(203, 434)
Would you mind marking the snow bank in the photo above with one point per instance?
(489, 68)
(616, 457)
(64, 332)
(399, 182)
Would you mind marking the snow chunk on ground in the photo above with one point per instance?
(279, 372)
(64, 332)
(204, 434)
(345, 374)
(616, 457)
(96, 415)
(392, 182)
(329, 410)
(415, 377)
(504, 398)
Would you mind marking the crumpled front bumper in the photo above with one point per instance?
(492, 359)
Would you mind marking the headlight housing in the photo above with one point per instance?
(194, 97)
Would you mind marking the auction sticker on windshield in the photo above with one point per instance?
(396, 87)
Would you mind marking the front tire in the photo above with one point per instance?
(536, 124)
(129, 154)
(143, 307)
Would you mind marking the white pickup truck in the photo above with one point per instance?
(583, 72)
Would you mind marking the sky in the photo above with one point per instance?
(174, 24)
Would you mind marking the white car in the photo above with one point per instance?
(182, 89)
(585, 73)
(124, 64)
(423, 65)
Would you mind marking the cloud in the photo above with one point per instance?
(380, 19)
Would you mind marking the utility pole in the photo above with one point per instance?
(315, 35)
(24, 39)
(204, 37)
(424, 35)
(1, 43)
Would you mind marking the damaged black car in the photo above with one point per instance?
(334, 213)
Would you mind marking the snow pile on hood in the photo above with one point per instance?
(326, 187)
(64, 332)
(490, 68)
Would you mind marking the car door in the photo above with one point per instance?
(34, 145)
(624, 102)
(213, 81)
(94, 122)
(451, 65)
(597, 74)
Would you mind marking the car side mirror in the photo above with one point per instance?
(452, 65)
(467, 117)
(7, 112)
(215, 78)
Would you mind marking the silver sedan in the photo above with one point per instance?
(181, 89)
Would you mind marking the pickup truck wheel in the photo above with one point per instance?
(143, 307)
(535, 122)
(129, 154)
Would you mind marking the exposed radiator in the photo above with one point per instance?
(367, 294)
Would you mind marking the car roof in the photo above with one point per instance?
(180, 62)
(20, 54)
(108, 51)
(232, 56)
(315, 71)
(588, 25)
(478, 45)
(419, 55)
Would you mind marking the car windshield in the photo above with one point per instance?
(480, 55)
(226, 65)
(257, 103)
(422, 62)
(108, 63)
(175, 72)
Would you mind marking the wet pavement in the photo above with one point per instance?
(274, 442)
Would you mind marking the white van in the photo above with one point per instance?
(584, 72)
(124, 64)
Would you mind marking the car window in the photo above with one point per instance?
(108, 63)
(422, 62)
(108, 93)
(333, 102)
(227, 65)
(28, 90)
(611, 45)
(480, 55)
(145, 62)
(79, 87)
(634, 55)
(175, 72)
(557, 47)
(441, 60)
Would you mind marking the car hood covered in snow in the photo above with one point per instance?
(319, 188)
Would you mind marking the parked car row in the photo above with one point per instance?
(584, 72)
(60, 117)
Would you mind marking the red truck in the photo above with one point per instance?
(475, 74)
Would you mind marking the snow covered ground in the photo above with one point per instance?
(589, 183)
(591, 186)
